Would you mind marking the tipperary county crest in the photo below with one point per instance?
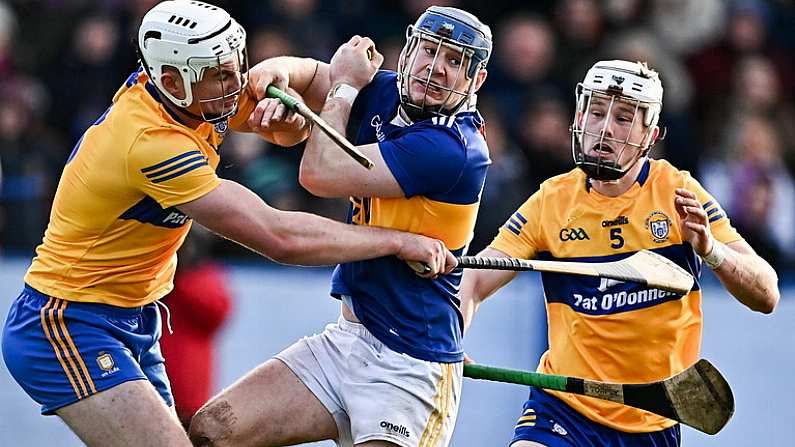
(659, 225)
(105, 361)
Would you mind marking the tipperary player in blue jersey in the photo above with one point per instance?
(82, 338)
(616, 202)
(389, 371)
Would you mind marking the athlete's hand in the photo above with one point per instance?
(270, 115)
(265, 74)
(423, 251)
(468, 360)
(355, 63)
(693, 223)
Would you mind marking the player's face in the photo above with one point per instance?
(447, 73)
(621, 125)
(218, 90)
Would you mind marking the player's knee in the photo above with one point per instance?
(211, 426)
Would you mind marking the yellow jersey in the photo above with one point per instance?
(114, 227)
(608, 330)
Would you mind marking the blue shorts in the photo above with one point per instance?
(61, 352)
(548, 420)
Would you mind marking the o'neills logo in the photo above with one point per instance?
(398, 429)
(620, 220)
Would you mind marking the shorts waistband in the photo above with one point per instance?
(357, 329)
(106, 309)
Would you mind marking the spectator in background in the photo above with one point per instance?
(687, 24)
(713, 68)
(543, 135)
(199, 306)
(32, 160)
(506, 183)
(756, 189)
(87, 77)
(525, 62)
(757, 90)
(582, 28)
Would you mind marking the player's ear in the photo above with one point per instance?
(480, 78)
(172, 82)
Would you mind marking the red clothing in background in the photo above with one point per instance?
(199, 305)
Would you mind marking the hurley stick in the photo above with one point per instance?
(699, 396)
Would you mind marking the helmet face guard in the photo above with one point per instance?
(612, 92)
(196, 39)
(231, 73)
(458, 33)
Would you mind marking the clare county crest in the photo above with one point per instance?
(659, 225)
(221, 127)
(105, 362)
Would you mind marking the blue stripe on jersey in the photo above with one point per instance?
(184, 171)
(712, 211)
(595, 296)
(149, 211)
(513, 229)
(170, 160)
(715, 217)
(173, 168)
(708, 204)
(133, 78)
(520, 217)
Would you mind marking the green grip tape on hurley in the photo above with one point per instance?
(287, 100)
(547, 381)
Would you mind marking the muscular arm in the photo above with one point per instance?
(477, 285)
(748, 277)
(307, 77)
(327, 171)
(236, 213)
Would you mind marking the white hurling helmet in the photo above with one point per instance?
(192, 37)
(632, 83)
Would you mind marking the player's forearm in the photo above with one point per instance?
(314, 240)
(300, 69)
(750, 279)
(236, 213)
(322, 161)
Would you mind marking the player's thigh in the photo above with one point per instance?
(527, 444)
(132, 413)
(267, 406)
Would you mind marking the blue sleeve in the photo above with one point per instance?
(426, 160)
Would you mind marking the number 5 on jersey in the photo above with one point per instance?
(616, 238)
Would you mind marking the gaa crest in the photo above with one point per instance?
(659, 225)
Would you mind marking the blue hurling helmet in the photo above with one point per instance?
(454, 29)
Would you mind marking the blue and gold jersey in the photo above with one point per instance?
(114, 227)
(603, 329)
(440, 164)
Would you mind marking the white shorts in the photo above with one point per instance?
(375, 393)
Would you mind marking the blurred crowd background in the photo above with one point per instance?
(728, 69)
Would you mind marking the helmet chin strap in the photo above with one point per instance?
(597, 171)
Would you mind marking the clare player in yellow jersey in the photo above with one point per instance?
(82, 337)
(617, 202)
